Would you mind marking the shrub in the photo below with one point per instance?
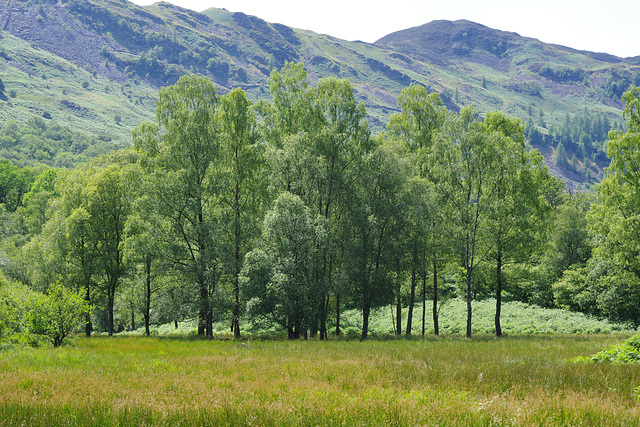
(626, 352)
(12, 295)
(56, 314)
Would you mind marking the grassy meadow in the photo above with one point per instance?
(163, 381)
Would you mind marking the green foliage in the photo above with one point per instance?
(15, 182)
(13, 298)
(569, 239)
(181, 152)
(37, 142)
(517, 319)
(166, 230)
(422, 114)
(563, 74)
(56, 314)
(615, 218)
(279, 275)
(624, 353)
(561, 156)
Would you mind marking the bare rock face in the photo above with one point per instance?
(53, 28)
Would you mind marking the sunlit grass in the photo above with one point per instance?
(435, 381)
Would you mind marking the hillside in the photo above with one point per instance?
(84, 62)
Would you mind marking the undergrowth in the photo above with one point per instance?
(517, 318)
(625, 352)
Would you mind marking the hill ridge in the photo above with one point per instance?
(140, 49)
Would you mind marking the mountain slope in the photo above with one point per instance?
(109, 57)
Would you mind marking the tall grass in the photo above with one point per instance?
(523, 380)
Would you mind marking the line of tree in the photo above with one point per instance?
(291, 210)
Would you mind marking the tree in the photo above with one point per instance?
(570, 244)
(561, 156)
(290, 111)
(342, 138)
(279, 274)
(57, 313)
(422, 116)
(14, 184)
(373, 226)
(13, 297)
(180, 151)
(108, 207)
(521, 180)
(464, 164)
(320, 134)
(241, 185)
(144, 250)
(67, 246)
(614, 219)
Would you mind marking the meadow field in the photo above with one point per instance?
(166, 381)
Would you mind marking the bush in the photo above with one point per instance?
(56, 314)
(12, 308)
(626, 352)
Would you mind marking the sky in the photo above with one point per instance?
(599, 26)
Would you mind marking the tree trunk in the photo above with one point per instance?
(147, 330)
(424, 300)
(412, 297)
(337, 315)
(291, 333)
(498, 291)
(236, 307)
(110, 303)
(365, 320)
(210, 292)
(398, 299)
(210, 323)
(88, 327)
(468, 303)
(323, 317)
(133, 317)
(236, 272)
(313, 330)
(325, 304)
(204, 308)
(398, 329)
(436, 326)
(147, 300)
(111, 296)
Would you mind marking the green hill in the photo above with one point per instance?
(84, 62)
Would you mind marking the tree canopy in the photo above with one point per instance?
(291, 211)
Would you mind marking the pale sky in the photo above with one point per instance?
(609, 26)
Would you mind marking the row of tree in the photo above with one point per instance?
(292, 210)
